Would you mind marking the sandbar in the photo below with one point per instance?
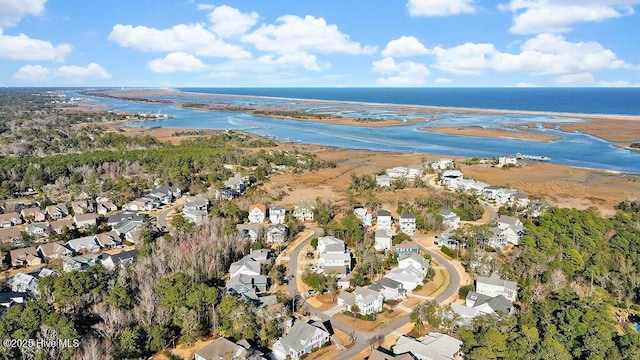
(479, 131)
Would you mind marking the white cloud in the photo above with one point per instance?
(575, 79)
(539, 16)
(404, 46)
(523, 84)
(406, 73)
(546, 54)
(292, 34)
(442, 81)
(192, 38)
(307, 61)
(22, 47)
(176, 62)
(616, 83)
(32, 74)
(230, 22)
(12, 11)
(75, 74)
(440, 7)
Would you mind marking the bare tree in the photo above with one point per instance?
(557, 280)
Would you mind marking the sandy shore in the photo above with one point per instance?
(527, 135)
(616, 128)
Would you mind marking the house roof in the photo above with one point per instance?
(299, 335)
(277, 228)
(407, 216)
(9, 216)
(448, 213)
(407, 245)
(452, 173)
(384, 213)
(378, 354)
(85, 217)
(382, 233)
(108, 238)
(197, 201)
(23, 253)
(495, 280)
(415, 257)
(368, 295)
(385, 283)
(247, 262)
(434, 346)
(277, 209)
(55, 207)
(85, 242)
(464, 311)
(53, 248)
(32, 211)
(260, 206)
(60, 224)
(10, 233)
(497, 303)
(341, 256)
(408, 274)
(305, 205)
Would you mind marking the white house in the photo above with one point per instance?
(368, 301)
(390, 289)
(512, 227)
(24, 283)
(519, 199)
(488, 305)
(277, 215)
(86, 244)
(414, 260)
(383, 240)
(245, 266)
(408, 224)
(384, 220)
(450, 178)
(383, 180)
(301, 339)
(303, 211)
(196, 209)
(450, 219)
(85, 220)
(504, 196)
(330, 244)
(37, 229)
(491, 192)
(507, 160)
(277, 233)
(433, 346)
(257, 213)
(493, 286)
(10, 219)
(411, 271)
(250, 231)
(442, 164)
(365, 217)
(340, 262)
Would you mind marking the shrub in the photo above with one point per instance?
(464, 290)
(449, 252)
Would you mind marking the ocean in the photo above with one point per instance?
(621, 101)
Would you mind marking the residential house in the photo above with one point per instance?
(252, 232)
(512, 228)
(10, 219)
(39, 229)
(57, 211)
(507, 160)
(433, 346)
(236, 183)
(108, 240)
(82, 207)
(383, 180)
(23, 283)
(85, 220)
(77, 263)
(303, 211)
(383, 354)
(277, 233)
(442, 164)
(257, 213)
(10, 235)
(493, 286)
(222, 349)
(365, 217)
(390, 289)
(397, 172)
(491, 192)
(25, 257)
(140, 204)
(277, 215)
(196, 209)
(104, 207)
(245, 266)
(58, 226)
(241, 284)
(414, 260)
(53, 250)
(383, 240)
(333, 256)
(111, 262)
(301, 339)
(407, 247)
(449, 178)
(83, 245)
(10, 298)
(408, 224)
(488, 304)
(44, 272)
(170, 193)
(114, 219)
(504, 196)
(367, 301)
(33, 214)
(411, 271)
(450, 219)
(519, 200)
(384, 220)
(465, 314)
(498, 238)
(164, 198)
(471, 186)
(330, 244)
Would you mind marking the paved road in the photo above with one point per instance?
(492, 212)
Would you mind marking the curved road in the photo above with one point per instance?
(363, 338)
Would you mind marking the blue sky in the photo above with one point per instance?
(327, 43)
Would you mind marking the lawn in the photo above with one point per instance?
(381, 321)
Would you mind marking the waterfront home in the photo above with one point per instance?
(365, 217)
(222, 348)
(519, 200)
(449, 178)
(10, 219)
(382, 240)
(366, 300)
(53, 250)
(433, 346)
(491, 192)
(383, 180)
(85, 220)
(507, 160)
(384, 220)
(303, 211)
(57, 211)
(257, 213)
(493, 286)
(25, 257)
(512, 227)
(277, 215)
(33, 214)
(301, 339)
(277, 233)
(390, 289)
(407, 224)
(442, 164)
(450, 219)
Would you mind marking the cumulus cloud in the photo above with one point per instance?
(176, 62)
(616, 83)
(22, 47)
(406, 73)
(307, 61)
(191, 38)
(292, 34)
(539, 16)
(70, 73)
(523, 84)
(404, 46)
(32, 74)
(546, 54)
(575, 79)
(12, 11)
(442, 81)
(440, 7)
(230, 22)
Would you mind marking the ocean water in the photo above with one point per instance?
(623, 101)
(575, 149)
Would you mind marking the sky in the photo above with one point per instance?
(322, 43)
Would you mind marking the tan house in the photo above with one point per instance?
(10, 235)
(57, 211)
(33, 214)
(25, 257)
(10, 219)
(85, 220)
(53, 250)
